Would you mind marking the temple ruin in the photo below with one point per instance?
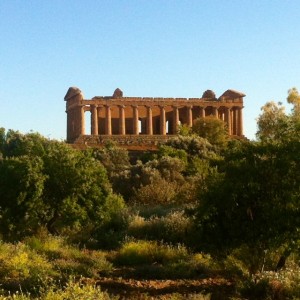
(143, 122)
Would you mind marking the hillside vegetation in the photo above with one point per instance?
(204, 217)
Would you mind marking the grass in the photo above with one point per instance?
(22, 266)
(37, 263)
(70, 260)
(72, 290)
(149, 252)
(174, 227)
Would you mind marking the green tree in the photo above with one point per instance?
(158, 180)
(21, 188)
(193, 145)
(2, 139)
(254, 201)
(75, 189)
(275, 125)
(117, 164)
(294, 98)
(212, 129)
(272, 123)
(73, 185)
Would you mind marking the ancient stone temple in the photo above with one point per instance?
(143, 122)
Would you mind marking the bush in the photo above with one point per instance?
(22, 267)
(113, 227)
(76, 290)
(256, 290)
(172, 228)
(157, 192)
(71, 291)
(281, 285)
(149, 252)
(69, 260)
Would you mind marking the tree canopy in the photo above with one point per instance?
(212, 129)
(254, 198)
(47, 183)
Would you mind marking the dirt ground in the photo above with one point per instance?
(218, 288)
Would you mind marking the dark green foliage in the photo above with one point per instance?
(255, 201)
(112, 230)
(193, 145)
(166, 150)
(212, 129)
(21, 189)
(117, 164)
(47, 183)
(256, 290)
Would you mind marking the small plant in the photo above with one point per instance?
(23, 267)
(76, 290)
(158, 191)
(70, 260)
(73, 290)
(281, 285)
(253, 289)
(149, 252)
(172, 228)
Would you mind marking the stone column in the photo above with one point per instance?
(175, 119)
(135, 120)
(202, 112)
(240, 121)
(82, 121)
(215, 112)
(122, 128)
(98, 116)
(107, 120)
(189, 116)
(94, 120)
(228, 120)
(162, 120)
(234, 120)
(149, 121)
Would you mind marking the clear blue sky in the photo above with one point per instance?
(146, 48)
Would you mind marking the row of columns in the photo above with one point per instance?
(233, 118)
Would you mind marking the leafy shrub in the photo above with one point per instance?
(149, 229)
(173, 228)
(212, 129)
(193, 145)
(71, 291)
(76, 290)
(70, 260)
(113, 228)
(46, 183)
(22, 267)
(204, 264)
(149, 252)
(281, 285)
(157, 192)
(256, 290)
